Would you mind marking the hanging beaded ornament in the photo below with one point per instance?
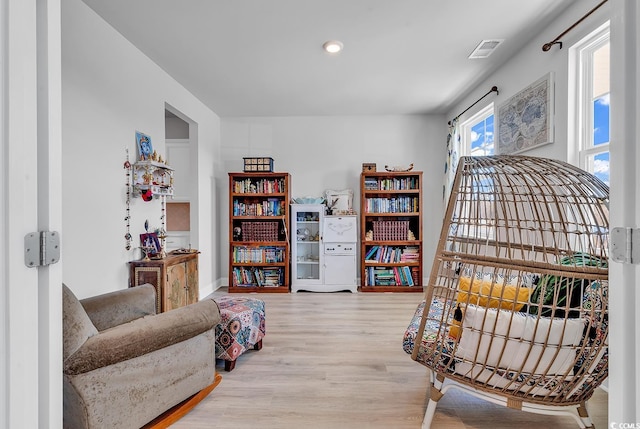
(127, 217)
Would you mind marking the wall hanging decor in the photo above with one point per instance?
(145, 148)
(525, 121)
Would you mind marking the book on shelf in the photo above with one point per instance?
(389, 276)
(269, 207)
(262, 254)
(384, 254)
(390, 184)
(391, 230)
(261, 277)
(392, 205)
(258, 186)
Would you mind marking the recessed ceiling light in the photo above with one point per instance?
(332, 46)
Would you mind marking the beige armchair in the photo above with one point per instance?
(124, 365)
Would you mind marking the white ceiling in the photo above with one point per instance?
(265, 57)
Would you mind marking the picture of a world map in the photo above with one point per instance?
(524, 121)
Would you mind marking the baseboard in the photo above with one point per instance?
(211, 287)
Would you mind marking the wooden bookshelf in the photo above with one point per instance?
(258, 232)
(391, 231)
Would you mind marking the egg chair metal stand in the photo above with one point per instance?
(516, 307)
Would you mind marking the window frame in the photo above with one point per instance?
(581, 149)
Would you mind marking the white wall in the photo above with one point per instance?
(327, 152)
(532, 63)
(110, 90)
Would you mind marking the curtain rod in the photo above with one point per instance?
(556, 41)
(493, 89)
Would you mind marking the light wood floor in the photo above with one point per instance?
(335, 360)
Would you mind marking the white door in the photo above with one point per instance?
(624, 279)
(30, 299)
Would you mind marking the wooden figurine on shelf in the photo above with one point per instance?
(398, 168)
(147, 177)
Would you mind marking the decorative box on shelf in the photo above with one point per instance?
(258, 164)
(368, 167)
(152, 175)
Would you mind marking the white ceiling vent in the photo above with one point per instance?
(485, 48)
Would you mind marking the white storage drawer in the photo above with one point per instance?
(339, 249)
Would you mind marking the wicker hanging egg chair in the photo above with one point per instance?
(516, 308)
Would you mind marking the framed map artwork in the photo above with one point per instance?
(525, 121)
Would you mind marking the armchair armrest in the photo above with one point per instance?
(121, 306)
(142, 336)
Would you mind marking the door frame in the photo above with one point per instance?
(624, 296)
(30, 169)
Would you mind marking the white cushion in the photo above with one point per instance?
(519, 342)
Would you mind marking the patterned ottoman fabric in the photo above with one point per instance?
(241, 328)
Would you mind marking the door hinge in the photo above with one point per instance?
(41, 248)
(625, 245)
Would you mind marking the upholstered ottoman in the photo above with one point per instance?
(242, 326)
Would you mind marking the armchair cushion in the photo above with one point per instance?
(77, 325)
(143, 336)
(121, 306)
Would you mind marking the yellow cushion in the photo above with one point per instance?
(496, 295)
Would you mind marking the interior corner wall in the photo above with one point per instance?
(110, 90)
(327, 152)
(531, 63)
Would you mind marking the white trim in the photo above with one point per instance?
(580, 113)
(4, 352)
(624, 299)
(49, 202)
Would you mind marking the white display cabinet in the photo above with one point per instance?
(306, 256)
(323, 255)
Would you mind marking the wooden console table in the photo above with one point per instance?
(175, 278)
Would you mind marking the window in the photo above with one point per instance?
(477, 140)
(590, 59)
(477, 133)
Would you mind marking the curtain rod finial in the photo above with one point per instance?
(547, 46)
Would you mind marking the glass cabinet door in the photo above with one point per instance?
(306, 221)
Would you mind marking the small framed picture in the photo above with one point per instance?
(339, 202)
(145, 148)
(150, 243)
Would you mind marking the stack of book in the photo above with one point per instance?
(410, 254)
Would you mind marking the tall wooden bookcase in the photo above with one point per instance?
(391, 231)
(258, 232)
